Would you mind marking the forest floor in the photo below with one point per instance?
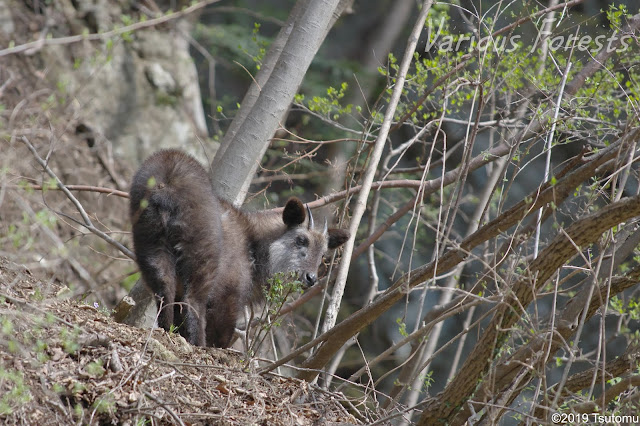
(64, 362)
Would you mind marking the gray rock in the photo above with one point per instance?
(160, 78)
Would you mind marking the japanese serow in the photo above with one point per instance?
(204, 259)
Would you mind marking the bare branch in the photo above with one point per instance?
(350, 326)
(463, 61)
(560, 250)
(87, 188)
(85, 217)
(42, 42)
(361, 203)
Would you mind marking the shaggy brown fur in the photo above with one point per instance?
(196, 250)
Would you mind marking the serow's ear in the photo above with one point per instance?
(337, 237)
(293, 214)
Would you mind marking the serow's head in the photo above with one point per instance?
(301, 247)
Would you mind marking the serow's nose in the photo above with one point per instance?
(310, 279)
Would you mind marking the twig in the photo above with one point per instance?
(627, 383)
(558, 252)
(547, 164)
(26, 304)
(247, 11)
(87, 188)
(40, 43)
(84, 275)
(367, 181)
(462, 62)
(86, 221)
(164, 406)
(358, 320)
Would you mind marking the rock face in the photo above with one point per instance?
(135, 92)
(147, 96)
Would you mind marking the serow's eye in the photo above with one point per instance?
(302, 241)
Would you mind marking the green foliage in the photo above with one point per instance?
(69, 339)
(402, 327)
(95, 368)
(428, 380)
(46, 218)
(77, 388)
(328, 106)
(14, 391)
(166, 99)
(615, 13)
(78, 410)
(105, 404)
(260, 44)
(102, 309)
(631, 308)
(6, 326)
(127, 20)
(233, 42)
(279, 288)
(614, 381)
(130, 281)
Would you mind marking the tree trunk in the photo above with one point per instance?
(265, 105)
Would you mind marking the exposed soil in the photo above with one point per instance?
(63, 362)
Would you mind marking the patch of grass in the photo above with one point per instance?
(13, 390)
